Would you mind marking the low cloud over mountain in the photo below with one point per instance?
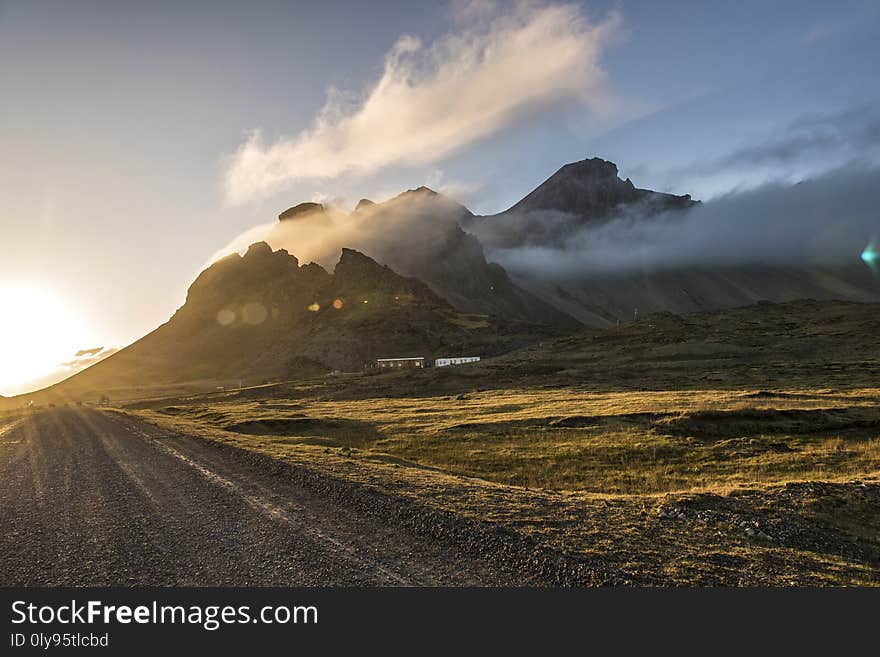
(822, 222)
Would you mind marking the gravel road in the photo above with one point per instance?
(92, 498)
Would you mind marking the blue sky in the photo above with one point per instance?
(120, 121)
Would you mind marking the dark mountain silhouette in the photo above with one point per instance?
(579, 194)
(263, 316)
(300, 210)
(592, 189)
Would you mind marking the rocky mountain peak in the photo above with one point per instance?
(258, 250)
(592, 189)
(260, 254)
(594, 168)
(420, 191)
(300, 210)
(353, 259)
(356, 268)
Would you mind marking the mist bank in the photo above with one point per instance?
(408, 227)
(777, 242)
(826, 221)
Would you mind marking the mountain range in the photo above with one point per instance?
(413, 276)
(263, 317)
(420, 233)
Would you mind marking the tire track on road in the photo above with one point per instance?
(273, 511)
(92, 498)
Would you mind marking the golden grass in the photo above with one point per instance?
(618, 442)
(592, 489)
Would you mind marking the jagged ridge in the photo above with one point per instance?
(264, 317)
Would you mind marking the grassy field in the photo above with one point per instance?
(740, 447)
(709, 487)
(647, 442)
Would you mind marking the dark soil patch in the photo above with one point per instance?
(759, 421)
(595, 420)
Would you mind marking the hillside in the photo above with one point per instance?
(726, 448)
(419, 233)
(543, 259)
(806, 343)
(605, 299)
(263, 317)
(567, 218)
(579, 194)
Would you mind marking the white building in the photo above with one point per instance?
(443, 362)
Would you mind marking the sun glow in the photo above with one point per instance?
(38, 334)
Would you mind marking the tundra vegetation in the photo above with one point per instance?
(734, 447)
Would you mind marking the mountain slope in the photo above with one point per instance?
(805, 343)
(419, 233)
(259, 317)
(600, 300)
(570, 211)
(591, 188)
(579, 194)
(452, 262)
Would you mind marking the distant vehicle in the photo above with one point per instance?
(395, 363)
(458, 360)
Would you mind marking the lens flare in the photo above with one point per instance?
(314, 307)
(255, 313)
(870, 256)
(226, 317)
(337, 304)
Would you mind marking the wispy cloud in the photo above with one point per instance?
(819, 32)
(854, 132)
(501, 63)
(85, 358)
(804, 148)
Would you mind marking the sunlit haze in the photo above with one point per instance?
(38, 333)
